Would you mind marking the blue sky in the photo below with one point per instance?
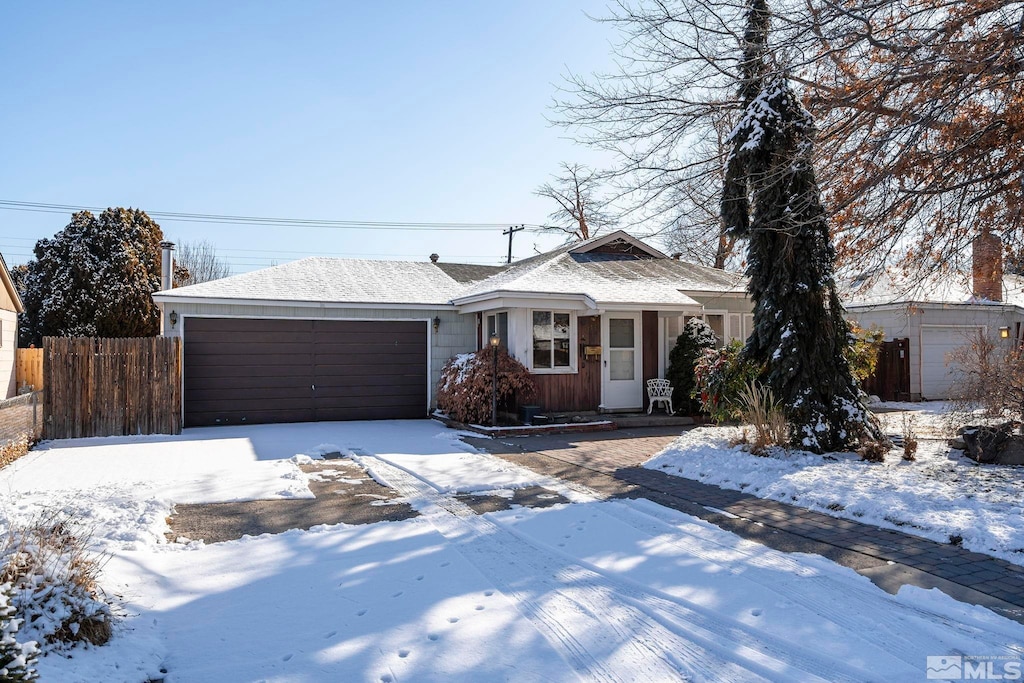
(390, 111)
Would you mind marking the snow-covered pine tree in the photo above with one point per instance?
(772, 200)
(697, 335)
(17, 660)
(96, 278)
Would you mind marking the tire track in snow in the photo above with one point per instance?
(668, 639)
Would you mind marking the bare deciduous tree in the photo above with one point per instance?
(581, 212)
(919, 106)
(197, 262)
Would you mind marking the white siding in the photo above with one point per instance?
(8, 343)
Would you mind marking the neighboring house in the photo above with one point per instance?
(10, 307)
(933, 316)
(336, 339)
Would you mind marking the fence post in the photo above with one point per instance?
(36, 432)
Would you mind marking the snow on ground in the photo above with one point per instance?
(940, 495)
(610, 591)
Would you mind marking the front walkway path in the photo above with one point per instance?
(609, 463)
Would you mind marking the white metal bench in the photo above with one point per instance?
(659, 391)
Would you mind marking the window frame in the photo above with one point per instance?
(497, 328)
(573, 343)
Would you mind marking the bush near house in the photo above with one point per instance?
(697, 337)
(721, 376)
(464, 392)
(862, 351)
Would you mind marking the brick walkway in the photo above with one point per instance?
(609, 463)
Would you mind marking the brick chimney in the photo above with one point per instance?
(987, 266)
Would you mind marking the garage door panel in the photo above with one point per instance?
(259, 370)
(240, 370)
(939, 373)
(301, 360)
(235, 326)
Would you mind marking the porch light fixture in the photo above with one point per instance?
(437, 323)
(495, 340)
(1004, 332)
(173, 317)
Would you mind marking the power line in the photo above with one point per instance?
(42, 207)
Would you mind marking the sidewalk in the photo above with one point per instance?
(610, 464)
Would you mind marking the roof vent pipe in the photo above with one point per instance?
(166, 265)
(433, 258)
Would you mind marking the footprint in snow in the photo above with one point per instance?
(452, 620)
(395, 595)
(331, 634)
(757, 612)
(387, 678)
(286, 657)
(432, 636)
(488, 593)
(561, 545)
(445, 564)
(478, 608)
(403, 653)
(360, 613)
(420, 577)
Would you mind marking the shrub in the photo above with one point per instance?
(990, 377)
(54, 581)
(697, 336)
(16, 658)
(760, 409)
(873, 451)
(862, 351)
(720, 376)
(464, 392)
(909, 438)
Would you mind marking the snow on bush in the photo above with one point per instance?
(53, 578)
(464, 392)
(17, 658)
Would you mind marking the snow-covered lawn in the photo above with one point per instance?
(940, 495)
(609, 591)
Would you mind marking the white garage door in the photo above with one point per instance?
(938, 371)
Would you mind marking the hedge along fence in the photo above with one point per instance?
(21, 425)
(111, 387)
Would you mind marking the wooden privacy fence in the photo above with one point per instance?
(28, 368)
(111, 387)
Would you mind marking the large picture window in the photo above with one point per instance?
(551, 343)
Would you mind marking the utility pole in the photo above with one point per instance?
(511, 232)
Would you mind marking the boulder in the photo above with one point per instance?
(993, 445)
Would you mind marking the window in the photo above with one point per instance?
(622, 348)
(497, 323)
(551, 347)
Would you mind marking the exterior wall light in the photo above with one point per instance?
(173, 317)
(437, 323)
(1004, 332)
(495, 340)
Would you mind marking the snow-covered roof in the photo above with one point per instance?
(949, 287)
(611, 269)
(608, 278)
(331, 280)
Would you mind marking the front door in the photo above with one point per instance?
(621, 369)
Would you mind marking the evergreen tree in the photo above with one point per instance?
(772, 199)
(16, 659)
(697, 335)
(95, 278)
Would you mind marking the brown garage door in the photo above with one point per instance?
(242, 371)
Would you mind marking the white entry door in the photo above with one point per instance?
(621, 380)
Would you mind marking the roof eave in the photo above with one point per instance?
(161, 297)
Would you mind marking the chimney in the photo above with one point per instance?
(987, 266)
(433, 258)
(166, 265)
